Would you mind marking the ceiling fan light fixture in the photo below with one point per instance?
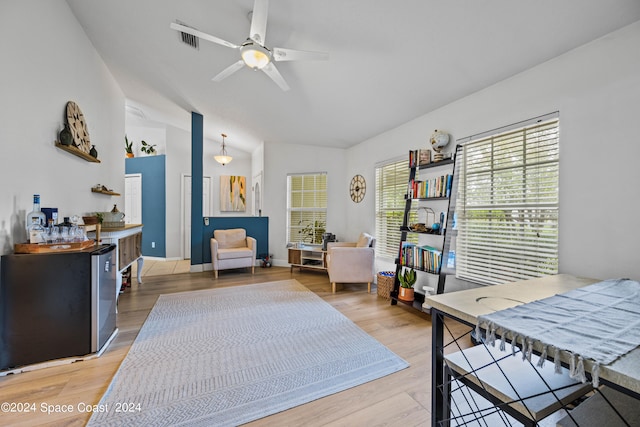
(223, 158)
(254, 55)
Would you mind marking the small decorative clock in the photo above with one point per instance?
(358, 188)
(78, 127)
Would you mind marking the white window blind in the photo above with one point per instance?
(306, 207)
(508, 204)
(392, 181)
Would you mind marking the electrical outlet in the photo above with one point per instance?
(153, 244)
(206, 221)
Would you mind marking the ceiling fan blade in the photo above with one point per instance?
(271, 71)
(228, 71)
(283, 54)
(258, 30)
(202, 35)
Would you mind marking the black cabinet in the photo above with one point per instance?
(55, 305)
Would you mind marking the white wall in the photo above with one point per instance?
(283, 159)
(176, 143)
(596, 89)
(178, 164)
(155, 134)
(42, 70)
(257, 174)
(240, 166)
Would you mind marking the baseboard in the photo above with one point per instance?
(280, 263)
(153, 258)
(198, 268)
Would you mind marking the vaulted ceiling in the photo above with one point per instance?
(389, 61)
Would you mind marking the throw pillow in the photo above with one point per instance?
(364, 241)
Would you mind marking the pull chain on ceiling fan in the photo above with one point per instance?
(253, 52)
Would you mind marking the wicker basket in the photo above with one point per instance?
(386, 280)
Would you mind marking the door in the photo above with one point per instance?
(133, 198)
(257, 195)
(186, 210)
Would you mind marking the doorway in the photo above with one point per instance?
(133, 198)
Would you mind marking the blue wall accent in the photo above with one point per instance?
(154, 198)
(256, 226)
(197, 238)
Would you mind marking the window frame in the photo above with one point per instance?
(390, 200)
(509, 235)
(317, 213)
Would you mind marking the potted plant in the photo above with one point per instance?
(148, 148)
(128, 147)
(407, 279)
(313, 231)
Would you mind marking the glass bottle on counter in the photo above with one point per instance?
(36, 219)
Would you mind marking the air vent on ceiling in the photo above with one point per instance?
(189, 39)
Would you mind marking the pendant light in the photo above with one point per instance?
(223, 158)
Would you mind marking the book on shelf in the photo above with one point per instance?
(420, 157)
(436, 187)
(424, 257)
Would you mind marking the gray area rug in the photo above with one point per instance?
(224, 357)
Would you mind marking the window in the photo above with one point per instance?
(306, 207)
(391, 187)
(507, 216)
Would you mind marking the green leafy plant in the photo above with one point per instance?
(313, 231)
(128, 146)
(100, 217)
(148, 148)
(407, 278)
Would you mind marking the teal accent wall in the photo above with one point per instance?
(154, 214)
(197, 140)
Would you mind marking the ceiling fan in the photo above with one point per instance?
(253, 51)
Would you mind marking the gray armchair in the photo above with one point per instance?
(351, 262)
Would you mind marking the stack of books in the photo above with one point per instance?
(436, 187)
(425, 258)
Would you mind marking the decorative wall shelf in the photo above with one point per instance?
(76, 152)
(107, 192)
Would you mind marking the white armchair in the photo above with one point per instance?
(351, 262)
(232, 248)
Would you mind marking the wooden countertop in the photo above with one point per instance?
(126, 227)
(112, 233)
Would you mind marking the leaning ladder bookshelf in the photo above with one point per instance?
(440, 259)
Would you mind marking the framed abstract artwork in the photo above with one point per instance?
(233, 193)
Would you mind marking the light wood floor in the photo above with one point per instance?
(401, 399)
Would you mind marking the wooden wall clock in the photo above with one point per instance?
(78, 127)
(358, 188)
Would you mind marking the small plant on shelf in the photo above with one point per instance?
(312, 232)
(148, 148)
(128, 147)
(407, 279)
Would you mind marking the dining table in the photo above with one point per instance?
(469, 307)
